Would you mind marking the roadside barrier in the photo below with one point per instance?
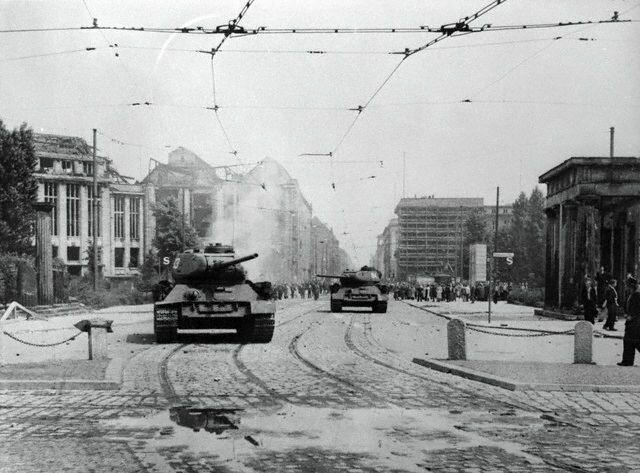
(583, 334)
(534, 332)
(43, 345)
(96, 329)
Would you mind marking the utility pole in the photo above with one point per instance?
(612, 132)
(493, 258)
(94, 212)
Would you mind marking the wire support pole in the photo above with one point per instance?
(94, 213)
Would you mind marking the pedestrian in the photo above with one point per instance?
(611, 303)
(589, 300)
(631, 339)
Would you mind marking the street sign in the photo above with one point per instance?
(503, 255)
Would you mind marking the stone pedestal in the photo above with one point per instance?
(44, 258)
(456, 340)
(583, 343)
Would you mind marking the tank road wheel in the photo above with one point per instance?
(166, 334)
(257, 330)
(379, 307)
(336, 306)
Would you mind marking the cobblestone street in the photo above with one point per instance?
(331, 392)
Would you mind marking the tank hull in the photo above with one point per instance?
(238, 308)
(365, 296)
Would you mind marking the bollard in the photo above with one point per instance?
(456, 340)
(583, 343)
(97, 330)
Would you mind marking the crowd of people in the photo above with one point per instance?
(450, 292)
(305, 290)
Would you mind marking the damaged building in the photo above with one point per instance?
(593, 222)
(64, 174)
(262, 210)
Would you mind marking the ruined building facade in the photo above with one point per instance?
(593, 222)
(65, 179)
(262, 210)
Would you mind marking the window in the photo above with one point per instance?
(134, 218)
(87, 168)
(54, 251)
(73, 253)
(119, 258)
(73, 210)
(90, 214)
(51, 196)
(118, 217)
(134, 256)
(67, 166)
(46, 164)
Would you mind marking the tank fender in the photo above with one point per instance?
(263, 307)
(176, 294)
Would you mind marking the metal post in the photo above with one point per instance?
(612, 132)
(404, 173)
(94, 213)
(493, 260)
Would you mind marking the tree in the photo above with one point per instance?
(534, 237)
(173, 233)
(18, 189)
(475, 230)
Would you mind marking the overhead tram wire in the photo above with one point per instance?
(445, 31)
(236, 31)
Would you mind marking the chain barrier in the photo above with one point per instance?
(483, 328)
(537, 334)
(42, 344)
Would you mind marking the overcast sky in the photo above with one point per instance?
(535, 100)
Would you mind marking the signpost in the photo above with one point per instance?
(509, 261)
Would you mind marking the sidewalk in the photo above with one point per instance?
(66, 366)
(522, 360)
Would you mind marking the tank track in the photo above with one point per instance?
(258, 330)
(166, 335)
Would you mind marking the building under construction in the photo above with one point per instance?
(431, 235)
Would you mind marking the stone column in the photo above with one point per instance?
(127, 231)
(84, 228)
(62, 222)
(583, 343)
(44, 258)
(456, 339)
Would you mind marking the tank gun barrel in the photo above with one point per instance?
(331, 276)
(226, 264)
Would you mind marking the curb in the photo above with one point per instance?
(112, 381)
(468, 373)
(57, 384)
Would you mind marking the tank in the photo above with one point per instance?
(361, 288)
(210, 291)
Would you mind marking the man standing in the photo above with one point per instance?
(631, 340)
(589, 300)
(611, 303)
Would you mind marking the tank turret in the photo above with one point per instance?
(215, 264)
(364, 277)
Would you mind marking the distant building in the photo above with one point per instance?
(431, 235)
(505, 217)
(593, 221)
(325, 249)
(387, 249)
(261, 211)
(65, 179)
